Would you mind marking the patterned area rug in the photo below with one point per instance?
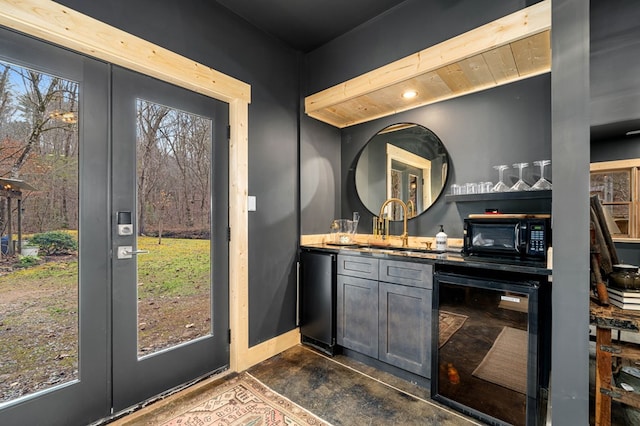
(448, 324)
(506, 362)
(244, 400)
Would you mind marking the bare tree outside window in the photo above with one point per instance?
(38, 294)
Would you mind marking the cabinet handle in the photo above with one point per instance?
(298, 294)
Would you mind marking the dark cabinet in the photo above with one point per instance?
(357, 305)
(405, 328)
(407, 273)
(318, 299)
(386, 315)
(358, 266)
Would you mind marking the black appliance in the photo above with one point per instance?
(318, 300)
(507, 236)
(491, 361)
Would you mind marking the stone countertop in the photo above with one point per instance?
(443, 259)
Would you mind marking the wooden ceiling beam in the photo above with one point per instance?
(511, 48)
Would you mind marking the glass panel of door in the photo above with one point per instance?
(39, 224)
(174, 218)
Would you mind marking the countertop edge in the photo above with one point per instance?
(446, 258)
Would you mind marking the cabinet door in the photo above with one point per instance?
(408, 273)
(317, 296)
(405, 327)
(357, 314)
(358, 266)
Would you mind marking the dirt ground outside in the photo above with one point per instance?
(39, 314)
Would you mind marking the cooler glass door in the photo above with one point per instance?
(486, 355)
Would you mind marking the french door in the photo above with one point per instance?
(121, 183)
(170, 257)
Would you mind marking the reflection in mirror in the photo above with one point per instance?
(405, 161)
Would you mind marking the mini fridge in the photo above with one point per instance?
(488, 361)
(318, 300)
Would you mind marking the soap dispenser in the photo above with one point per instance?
(441, 240)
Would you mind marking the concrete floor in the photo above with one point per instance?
(345, 392)
(342, 391)
(339, 390)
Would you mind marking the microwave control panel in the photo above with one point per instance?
(537, 239)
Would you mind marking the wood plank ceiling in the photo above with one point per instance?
(511, 48)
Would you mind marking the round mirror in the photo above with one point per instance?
(404, 161)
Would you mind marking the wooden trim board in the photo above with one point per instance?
(509, 49)
(68, 28)
(615, 164)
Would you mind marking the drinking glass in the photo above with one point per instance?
(484, 187)
(500, 186)
(542, 183)
(472, 187)
(520, 185)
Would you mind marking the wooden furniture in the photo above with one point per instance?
(607, 318)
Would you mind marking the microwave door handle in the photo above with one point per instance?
(517, 233)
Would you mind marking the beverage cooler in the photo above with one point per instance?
(490, 361)
(318, 300)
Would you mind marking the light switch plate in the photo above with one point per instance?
(251, 203)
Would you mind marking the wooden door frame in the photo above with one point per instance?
(60, 25)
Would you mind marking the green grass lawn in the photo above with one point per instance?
(39, 311)
(177, 267)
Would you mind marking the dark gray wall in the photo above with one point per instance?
(319, 176)
(615, 61)
(205, 32)
(615, 148)
(411, 26)
(628, 253)
(515, 128)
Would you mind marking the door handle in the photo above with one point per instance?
(127, 252)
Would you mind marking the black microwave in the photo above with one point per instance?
(525, 238)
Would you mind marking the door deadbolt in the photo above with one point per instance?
(125, 224)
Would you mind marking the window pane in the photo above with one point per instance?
(614, 186)
(174, 221)
(620, 214)
(39, 202)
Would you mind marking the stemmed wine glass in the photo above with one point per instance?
(520, 185)
(500, 186)
(542, 183)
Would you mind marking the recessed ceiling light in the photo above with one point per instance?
(633, 132)
(410, 94)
